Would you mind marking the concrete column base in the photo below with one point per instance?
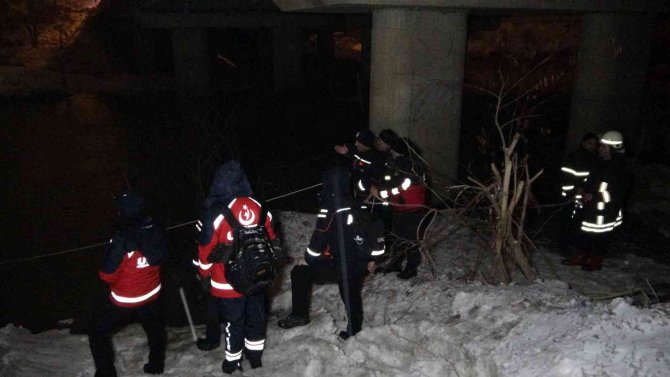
(416, 81)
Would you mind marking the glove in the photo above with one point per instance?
(205, 283)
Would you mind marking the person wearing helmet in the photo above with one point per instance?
(603, 196)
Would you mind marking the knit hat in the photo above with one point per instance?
(388, 136)
(366, 137)
(590, 136)
(130, 205)
(401, 145)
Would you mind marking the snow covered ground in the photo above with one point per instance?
(427, 326)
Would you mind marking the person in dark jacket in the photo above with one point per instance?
(131, 268)
(367, 162)
(405, 192)
(244, 315)
(574, 172)
(333, 255)
(604, 194)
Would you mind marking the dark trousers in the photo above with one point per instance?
(596, 243)
(407, 236)
(304, 277)
(212, 320)
(245, 326)
(111, 319)
(570, 220)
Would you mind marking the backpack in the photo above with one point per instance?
(368, 234)
(250, 260)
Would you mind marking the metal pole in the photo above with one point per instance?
(188, 313)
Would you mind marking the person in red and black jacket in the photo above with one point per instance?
(131, 268)
(244, 315)
(404, 190)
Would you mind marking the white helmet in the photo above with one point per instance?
(614, 139)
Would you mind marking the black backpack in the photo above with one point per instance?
(250, 260)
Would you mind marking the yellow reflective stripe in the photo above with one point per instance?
(217, 221)
(377, 252)
(254, 345)
(130, 300)
(230, 356)
(223, 286)
(574, 172)
(606, 196)
(405, 184)
(362, 160)
(312, 253)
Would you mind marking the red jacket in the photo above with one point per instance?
(247, 211)
(134, 283)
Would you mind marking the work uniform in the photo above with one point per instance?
(244, 316)
(337, 252)
(405, 192)
(131, 268)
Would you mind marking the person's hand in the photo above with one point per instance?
(341, 149)
(372, 265)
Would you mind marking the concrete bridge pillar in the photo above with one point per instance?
(287, 42)
(416, 81)
(191, 58)
(613, 58)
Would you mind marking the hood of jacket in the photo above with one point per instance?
(229, 183)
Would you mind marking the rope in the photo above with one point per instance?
(168, 228)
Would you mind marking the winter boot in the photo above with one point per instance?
(106, 373)
(229, 367)
(407, 274)
(292, 321)
(576, 260)
(593, 263)
(344, 335)
(205, 344)
(255, 362)
(153, 368)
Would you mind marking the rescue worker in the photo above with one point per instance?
(578, 165)
(386, 139)
(405, 191)
(244, 316)
(367, 162)
(603, 195)
(333, 254)
(131, 268)
(574, 172)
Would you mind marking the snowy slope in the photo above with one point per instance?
(423, 327)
